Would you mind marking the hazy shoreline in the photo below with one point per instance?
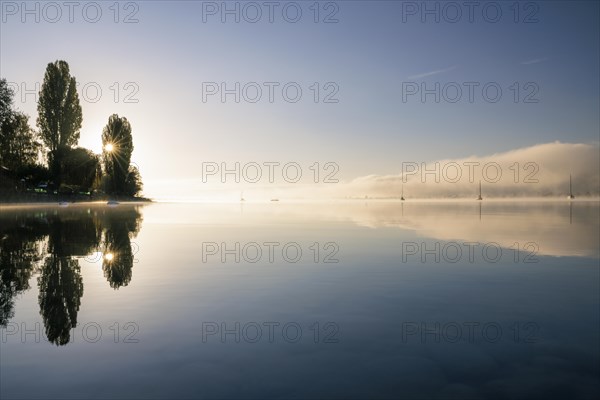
(54, 200)
(381, 200)
(142, 200)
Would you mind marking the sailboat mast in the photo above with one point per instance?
(570, 186)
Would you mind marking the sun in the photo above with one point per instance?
(109, 257)
(109, 147)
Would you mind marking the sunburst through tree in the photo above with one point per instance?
(117, 147)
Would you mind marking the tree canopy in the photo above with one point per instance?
(82, 168)
(117, 145)
(19, 147)
(6, 96)
(59, 114)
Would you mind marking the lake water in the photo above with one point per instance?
(328, 300)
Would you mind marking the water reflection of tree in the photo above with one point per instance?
(117, 263)
(61, 288)
(68, 234)
(20, 251)
(16, 268)
(60, 283)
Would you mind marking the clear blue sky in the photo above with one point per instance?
(373, 49)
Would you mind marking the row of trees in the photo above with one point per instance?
(50, 154)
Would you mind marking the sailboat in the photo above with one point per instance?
(242, 197)
(402, 195)
(571, 197)
(479, 197)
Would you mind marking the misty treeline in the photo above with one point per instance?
(47, 159)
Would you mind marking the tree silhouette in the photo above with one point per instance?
(18, 145)
(117, 145)
(133, 185)
(82, 168)
(59, 114)
(6, 100)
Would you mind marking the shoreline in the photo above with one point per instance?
(145, 201)
(74, 205)
(13, 197)
(56, 200)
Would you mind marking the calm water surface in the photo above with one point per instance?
(336, 300)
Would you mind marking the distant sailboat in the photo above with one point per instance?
(479, 197)
(402, 195)
(242, 197)
(571, 197)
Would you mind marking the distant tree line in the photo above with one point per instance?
(48, 159)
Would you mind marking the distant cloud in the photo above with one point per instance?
(534, 61)
(543, 170)
(430, 73)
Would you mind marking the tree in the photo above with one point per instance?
(82, 167)
(117, 146)
(133, 184)
(18, 144)
(59, 114)
(6, 96)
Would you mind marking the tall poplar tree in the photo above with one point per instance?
(59, 115)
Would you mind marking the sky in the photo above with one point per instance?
(363, 69)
